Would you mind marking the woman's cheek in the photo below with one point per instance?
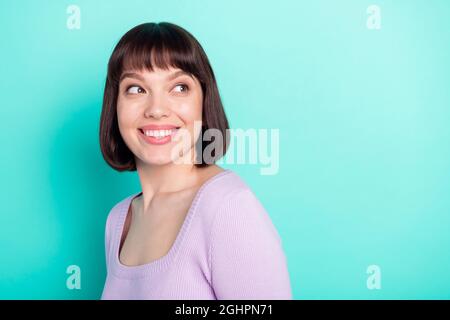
(189, 111)
(127, 122)
(127, 112)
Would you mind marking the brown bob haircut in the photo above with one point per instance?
(163, 45)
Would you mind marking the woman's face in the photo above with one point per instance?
(149, 104)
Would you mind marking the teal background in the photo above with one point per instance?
(364, 125)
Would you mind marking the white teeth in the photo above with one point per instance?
(157, 133)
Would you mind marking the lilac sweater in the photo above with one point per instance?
(227, 248)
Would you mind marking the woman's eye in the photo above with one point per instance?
(181, 88)
(135, 90)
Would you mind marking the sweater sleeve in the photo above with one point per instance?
(246, 255)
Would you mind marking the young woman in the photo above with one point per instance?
(195, 231)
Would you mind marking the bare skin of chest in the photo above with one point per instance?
(149, 236)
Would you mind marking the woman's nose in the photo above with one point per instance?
(156, 107)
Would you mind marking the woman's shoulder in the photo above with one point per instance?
(236, 208)
(230, 194)
(224, 185)
(235, 193)
(117, 209)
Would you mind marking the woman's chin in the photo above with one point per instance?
(159, 161)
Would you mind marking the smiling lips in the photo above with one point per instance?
(158, 134)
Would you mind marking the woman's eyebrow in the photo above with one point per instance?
(131, 75)
(177, 74)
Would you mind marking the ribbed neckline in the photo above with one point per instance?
(124, 271)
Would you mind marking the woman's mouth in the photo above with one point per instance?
(157, 136)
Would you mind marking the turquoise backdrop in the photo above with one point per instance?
(363, 114)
